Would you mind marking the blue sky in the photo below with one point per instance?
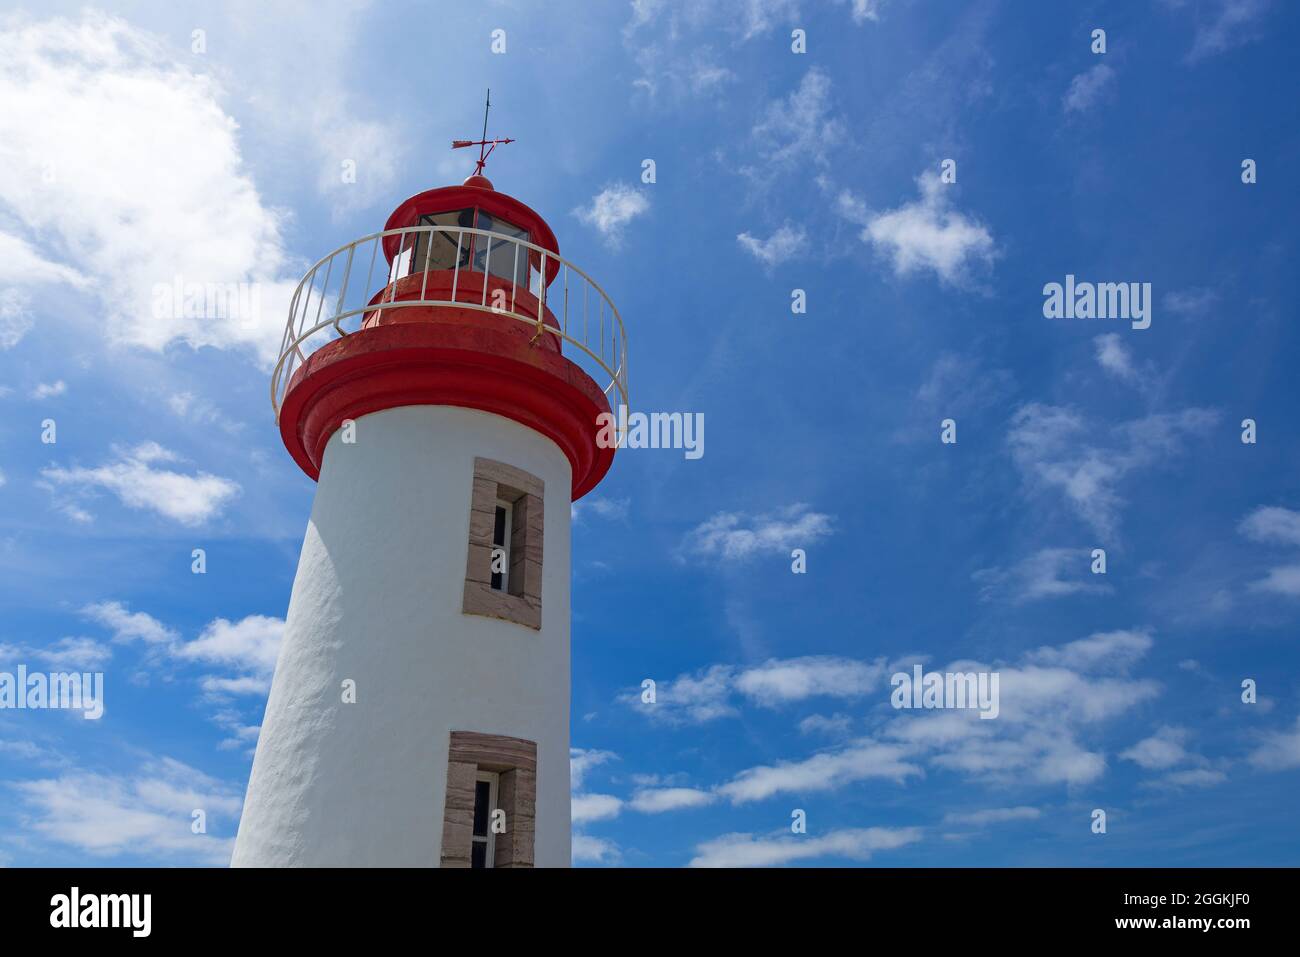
(130, 157)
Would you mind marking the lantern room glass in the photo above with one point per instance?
(438, 247)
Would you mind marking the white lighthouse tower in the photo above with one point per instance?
(419, 714)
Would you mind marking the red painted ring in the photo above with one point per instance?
(486, 367)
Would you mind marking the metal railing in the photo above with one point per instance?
(333, 298)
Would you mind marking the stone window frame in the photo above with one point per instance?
(521, 602)
(514, 761)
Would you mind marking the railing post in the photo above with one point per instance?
(541, 301)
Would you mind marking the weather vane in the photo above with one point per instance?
(485, 145)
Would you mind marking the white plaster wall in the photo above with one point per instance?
(377, 598)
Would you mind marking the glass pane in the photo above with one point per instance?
(402, 261)
(499, 528)
(478, 854)
(504, 262)
(437, 248)
(482, 798)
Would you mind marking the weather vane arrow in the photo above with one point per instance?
(485, 145)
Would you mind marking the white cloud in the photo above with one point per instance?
(1235, 23)
(781, 246)
(996, 815)
(1272, 524)
(20, 264)
(49, 390)
(1190, 778)
(582, 761)
(799, 128)
(822, 772)
(128, 626)
(250, 644)
(836, 724)
(1162, 750)
(1284, 580)
(746, 850)
(1278, 750)
(660, 800)
(139, 484)
(864, 10)
(194, 408)
(1102, 651)
(102, 116)
(1048, 573)
(74, 654)
(1114, 357)
(925, 234)
(690, 698)
(240, 685)
(613, 208)
(1086, 88)
(1051, 447)
(594, 849)
(147, 813)
(736, 536)
(15, 318)
(613, 509)
(595, 807)
(708, 693)
(1278, 526)
(780, 681)
(1189, 302)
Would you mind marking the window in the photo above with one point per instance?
(507, 259)
(503, 567)
(488, 773)
(501, 545)
(482, 844)
(439, 250)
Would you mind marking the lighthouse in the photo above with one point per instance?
(441, 380)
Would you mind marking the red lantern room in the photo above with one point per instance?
(472, 306)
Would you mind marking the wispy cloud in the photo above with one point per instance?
(1162, 750)
(994, 815)
(1232, 23)
(782, 246)
(612, 209)
(1056, 449)
(1278, 750)
(924, 235)
(249, 645)
(747, 850)
(717, 690)
(662, 800)
(800, 128)
(135, 477)
(49, 390)
(595, 807)
(148, 812)
(736, 536)
(1048, 573)
(612, 509)
(1087, 88)
(1275, 525)
(128, 626)
(860, 761)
